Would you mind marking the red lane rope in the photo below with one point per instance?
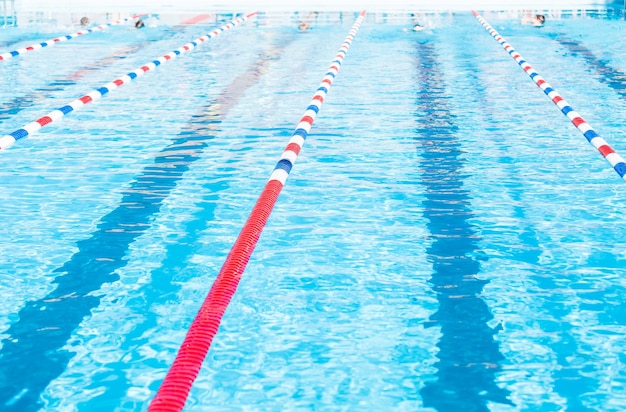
(175, 388)
(197, 19)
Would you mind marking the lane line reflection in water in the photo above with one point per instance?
(468, 354)
(33, 349)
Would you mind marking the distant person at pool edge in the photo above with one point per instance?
(84, 21)
(537, 20)
(305, 24)
(418, 21)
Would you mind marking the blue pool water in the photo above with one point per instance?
(447, 240)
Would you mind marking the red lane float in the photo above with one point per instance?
(175, 388)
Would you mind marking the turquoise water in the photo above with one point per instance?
(446, 241)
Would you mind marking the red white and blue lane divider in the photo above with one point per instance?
(175, 388)
(52, 42)
(27, 130)
(590, 134)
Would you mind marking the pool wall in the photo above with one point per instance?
(164, 6)
(43, 13)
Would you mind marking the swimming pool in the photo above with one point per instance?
(446, 240)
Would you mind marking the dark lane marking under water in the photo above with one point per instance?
(468, 354)
(163, 289)
(31, 357)
(569, 383)
(573, 378)
(613, 78)
(17, 104)
(25, 38)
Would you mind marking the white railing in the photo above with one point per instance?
(8, 15)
